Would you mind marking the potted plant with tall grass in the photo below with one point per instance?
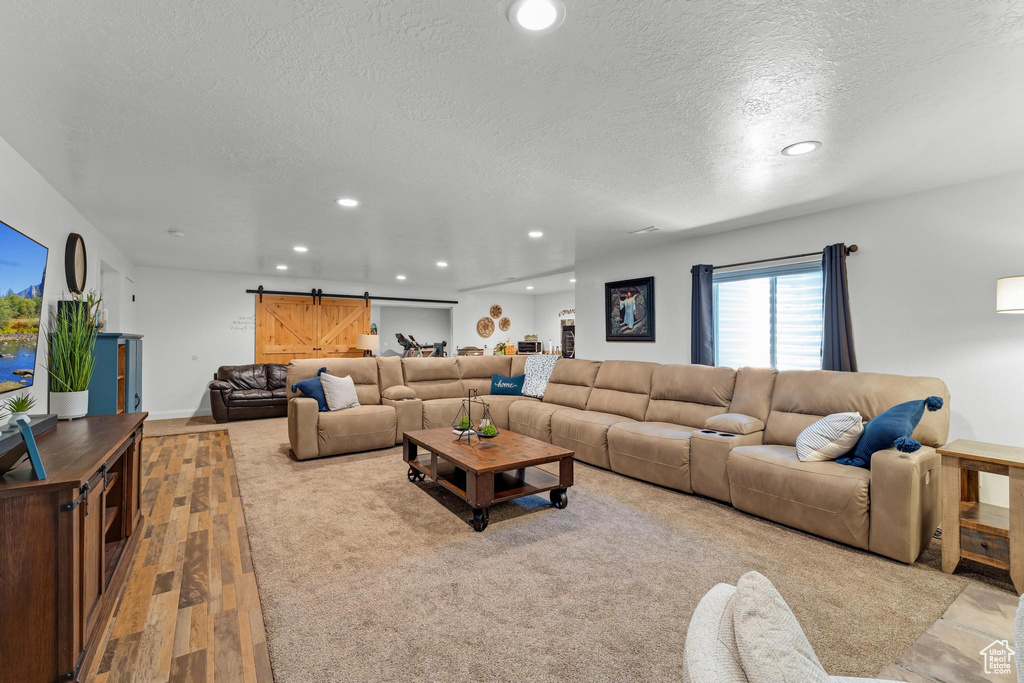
(71, 355)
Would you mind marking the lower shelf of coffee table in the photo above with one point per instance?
(507, 485)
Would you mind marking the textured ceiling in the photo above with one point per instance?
(547, 284)
(240, 123)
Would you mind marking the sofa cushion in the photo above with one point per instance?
(441, 412)
(357, 429)
(252, 376)
(822, 498)
(363, 372)
(658, 452)
(518, 364)
(533, 418)
(802, 397)
(253, 398)
(476, 371)
(770, 642)
(433, 377)
(571, 382)
(389, 372)
(277, 375)
(398, 393)
(622, 387)
(499, 405)
(585, 432)
(753, 392)
(710, 654)
(689, 394)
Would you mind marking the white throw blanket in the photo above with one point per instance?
(538, 370)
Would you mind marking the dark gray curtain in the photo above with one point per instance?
(702, 325)
(837, 341)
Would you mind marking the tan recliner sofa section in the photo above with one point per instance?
(722, 433)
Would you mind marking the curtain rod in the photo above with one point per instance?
(318, 294)
(849, 250)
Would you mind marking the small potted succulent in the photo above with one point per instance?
(18, 406)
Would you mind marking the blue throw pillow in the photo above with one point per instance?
(312, 388)
(893, 428)
(507, 386)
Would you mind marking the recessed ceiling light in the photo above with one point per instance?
(282, 267)
(301, 249)
(537, 16)
(529, 286)
(798, 148)
(572, 279)
(535, 233)
(175, 233)
(348, 202)
(442, 264)
(399, 277)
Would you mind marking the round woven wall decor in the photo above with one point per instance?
(495, 311)
(485, 327)
(504, 324)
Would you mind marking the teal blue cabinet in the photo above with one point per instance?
(116, 385)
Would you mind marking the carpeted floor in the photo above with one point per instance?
(366, 576)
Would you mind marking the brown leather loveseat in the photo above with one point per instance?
(248, 392)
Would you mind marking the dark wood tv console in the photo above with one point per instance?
(66, 543)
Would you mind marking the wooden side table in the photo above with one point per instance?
(983, 532)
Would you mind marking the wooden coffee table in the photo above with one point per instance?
(488, 471)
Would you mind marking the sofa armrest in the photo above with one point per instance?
(410, 415)
(709, 456)
(734, 423)
(905, 506)
(399, 393)
(220, 393)
(303, 419)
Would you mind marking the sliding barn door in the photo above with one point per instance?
(341, 321)
(286, 328)
(295, 327)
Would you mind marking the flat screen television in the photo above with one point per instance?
(22, 273)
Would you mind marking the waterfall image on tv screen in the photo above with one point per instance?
(22, 271)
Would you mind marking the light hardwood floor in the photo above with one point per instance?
(190, 610)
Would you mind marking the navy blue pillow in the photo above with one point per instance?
(312, 388)
(507, 386)
(892, 428)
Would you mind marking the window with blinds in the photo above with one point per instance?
(769, 317)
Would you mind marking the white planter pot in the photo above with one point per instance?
(69, 404)
(13, 421)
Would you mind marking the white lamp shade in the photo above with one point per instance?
(1010, 294)
(368, 342)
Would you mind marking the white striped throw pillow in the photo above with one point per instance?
(831, 437)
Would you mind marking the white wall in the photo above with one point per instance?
(196, 321)
(518, 308)
(922, 293)
(428, 325)
(31, 205)
(547, 323)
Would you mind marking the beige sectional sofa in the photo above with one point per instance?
(721, 433)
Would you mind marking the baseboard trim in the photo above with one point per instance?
(175, 414)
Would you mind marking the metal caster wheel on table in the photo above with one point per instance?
(480, 519)
(559, 498)
(415, 475)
